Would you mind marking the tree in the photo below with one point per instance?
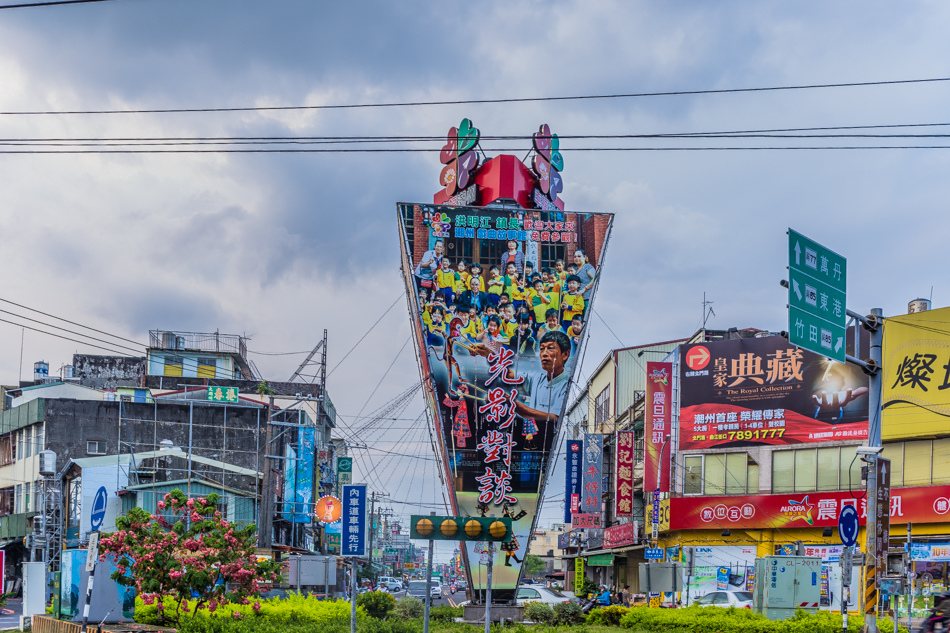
(534, 566)
(188, 550)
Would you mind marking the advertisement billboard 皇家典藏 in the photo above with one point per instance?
(764, 391)
(497, 351)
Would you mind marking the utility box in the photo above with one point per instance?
(784, 584)
(660, 577)
(315, 572)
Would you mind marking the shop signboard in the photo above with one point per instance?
(623, 490)
(653, 553)
(620, 535)
(563, 540)
(592, 474)
(578, 573)
(496, 390)
(572, 478)
(930, 551)
(600, 560)
(658, 426)
(585, 521)
(930, 504)
(765, 391)
(916, 356)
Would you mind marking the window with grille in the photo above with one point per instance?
(602, 408)
(96, 447)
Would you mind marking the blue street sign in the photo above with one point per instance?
(353, 539)
(572, 483)
(848, 525)
(98, 514)
(653, 553)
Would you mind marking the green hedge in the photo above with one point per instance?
(732, 620)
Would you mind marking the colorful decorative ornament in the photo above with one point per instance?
(459, 157)
(548, 163)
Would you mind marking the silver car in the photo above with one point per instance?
(738, 599)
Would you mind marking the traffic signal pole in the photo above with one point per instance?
(425, 618)
(491, 558)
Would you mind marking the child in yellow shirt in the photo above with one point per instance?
(572, 303)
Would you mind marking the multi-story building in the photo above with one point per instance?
(114, 409)
(544, 544)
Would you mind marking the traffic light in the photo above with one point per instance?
(440, 528)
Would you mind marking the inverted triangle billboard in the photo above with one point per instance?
(500, 299)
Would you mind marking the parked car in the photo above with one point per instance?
(739, 599)
(542, 594)
(390, 584)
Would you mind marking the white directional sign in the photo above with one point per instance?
(817, 283)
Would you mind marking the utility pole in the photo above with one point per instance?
(265, 525)
(425, 617)
(910, 579)
(372, 525)
(874, 323)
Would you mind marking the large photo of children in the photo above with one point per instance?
(499, 338)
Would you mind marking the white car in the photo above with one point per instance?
(738, 599)
(542, 594)
(390, 584)
(435, 590)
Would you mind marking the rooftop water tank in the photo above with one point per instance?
(40, 371)
(918, 305)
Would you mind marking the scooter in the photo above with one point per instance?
(938, 618)
(452, 589)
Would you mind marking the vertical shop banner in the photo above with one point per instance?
(353, 527)
(572, 479)
(764, 391)
(916, 375)
(593, 474)
(623, 494)
(496, 374)
(578, 575)
(657, 426)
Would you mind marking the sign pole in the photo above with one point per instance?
(353, 597)
(491, 558)
(910, 578)
(425, 618)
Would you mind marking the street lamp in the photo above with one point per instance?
(656, 492)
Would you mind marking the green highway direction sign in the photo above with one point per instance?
(817, 285)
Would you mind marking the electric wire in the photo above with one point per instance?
(48, 3)
(509, 100)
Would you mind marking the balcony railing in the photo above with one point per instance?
(198, 342)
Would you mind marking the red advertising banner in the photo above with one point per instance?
(624, 492)
(758, 391)
(930, 504)
(658, 425)
(619, 535)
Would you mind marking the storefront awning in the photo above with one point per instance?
(594, 552)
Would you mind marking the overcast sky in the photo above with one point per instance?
(281, 246)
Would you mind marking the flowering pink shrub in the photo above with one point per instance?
(198, 554)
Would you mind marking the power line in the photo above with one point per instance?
(50, 3)
(417, 150)
(632, 95)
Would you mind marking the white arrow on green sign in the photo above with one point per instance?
(817, 293)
